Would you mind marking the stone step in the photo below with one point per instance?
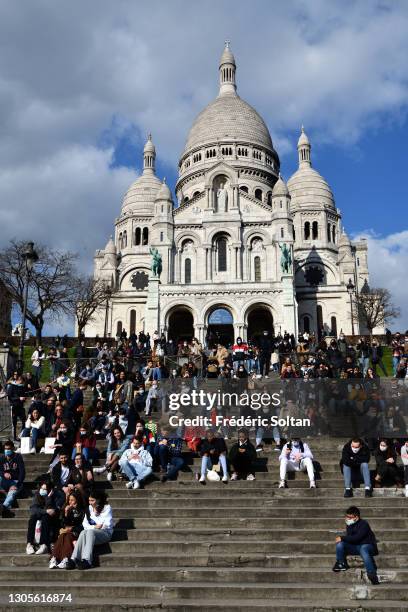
(208, 575)
(233, 545)
(223, 521)
(321, 593)
(245, 559)
(220, 533)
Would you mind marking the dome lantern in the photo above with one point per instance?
(304, 149)
(149, 156)
(227, 72)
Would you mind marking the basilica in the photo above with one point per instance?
(240, 250)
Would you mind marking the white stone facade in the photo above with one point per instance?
(221, 245)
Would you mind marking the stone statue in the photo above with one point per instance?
(156, 266)
(222, 199)
(286, 258)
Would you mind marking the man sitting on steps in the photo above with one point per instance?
(355, 457)
(358, 540)
(242, 455)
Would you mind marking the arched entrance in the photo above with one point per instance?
(220, 327)
(180, 325)
(259, 320)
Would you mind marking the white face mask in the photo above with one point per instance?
(355, 450)
(383, 447)
(351, 521)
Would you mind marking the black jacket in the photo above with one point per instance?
(382, 456)
(354, 460)
(14, 465)
(56, 474)
(249, 454)
(360, 533)
(217, 445)
(40, 504)
(74, 519)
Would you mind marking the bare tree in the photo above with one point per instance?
(51, 282)
(89, 296)
(374, 307)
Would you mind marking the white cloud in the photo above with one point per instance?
(388, 265)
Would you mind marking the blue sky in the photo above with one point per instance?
(81, 84)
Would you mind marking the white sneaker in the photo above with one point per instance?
(99, 470)
(225, 478)
(109, 476)
(53, 563)
(129, 485)
(312, 484)
(42, 549)
(202, 479)
(282, 484)
(234, 476)
(63, 564)
(30, 550)
(250, 477)
(406, 490)
(136, 484)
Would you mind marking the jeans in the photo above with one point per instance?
(35, 434)
(136, 471)
(365, 551)
(304, 465)
(89, 454)
(260, 435)
(364, 363)
(7, 486)
(37, 370)
(175, 464)
(83, 550)
(395, 362)
(206, 463)
(365, 472)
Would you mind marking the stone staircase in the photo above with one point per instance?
(244, 545)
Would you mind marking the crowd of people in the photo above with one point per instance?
(114, 393)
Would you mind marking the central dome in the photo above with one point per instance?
(228, 117)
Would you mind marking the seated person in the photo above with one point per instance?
(296, 456)
(61, 472)
(34, 426)
(81, 476)
(213, 450)
(358, 540)
(117, 444)
(72, 516)
(167, 451)
(355, 458)
(99, 423)
(45, 507)
(64, 440)
(97, 529)
(136, 463)
(242, 455)
(385, 457)
(12, 474)
(404, 458)
(85, 444)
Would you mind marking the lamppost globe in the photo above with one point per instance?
(350, 286)
(30, 256)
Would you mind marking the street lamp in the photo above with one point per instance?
(350, 288)
(29, 257)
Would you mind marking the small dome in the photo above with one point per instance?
(149, 146)
(280, 188)
(344, 240)
(110, 248)
(303, 139)
(164, 192)
(308, 188)
(227, 56)
(141, 195)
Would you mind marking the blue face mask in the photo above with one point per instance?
(8, 452)
(43, 492)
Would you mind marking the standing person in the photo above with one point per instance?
(72, 517)
(242, 456)
(97, 529)
(296, 456)
(12, 474)
(265, 352)
(16, 396)
(376, 354)
(136, 463)
(355, 457)
(360, 540)
(213, 450)
(45, 507)
(404, 459)
(81, 356)
(239, 352)
(37, 359)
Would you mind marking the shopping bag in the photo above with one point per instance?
(26, 445)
